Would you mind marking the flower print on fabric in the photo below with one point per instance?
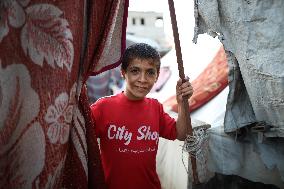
(53, 179)
(17, 98)
(78, 135)
(11, 14)
(46, 36)
(20, 133)
(59, 117)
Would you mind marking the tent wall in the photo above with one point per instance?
(252, 35)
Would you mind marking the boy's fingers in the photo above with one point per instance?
(187, 92)
(185, 84)
(184, 88)
(179, 83)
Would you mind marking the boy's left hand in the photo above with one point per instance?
(183, 90)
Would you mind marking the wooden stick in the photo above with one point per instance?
(182, 76)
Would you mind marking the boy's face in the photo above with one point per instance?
(140, 76)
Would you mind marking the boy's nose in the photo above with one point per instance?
(143, 77)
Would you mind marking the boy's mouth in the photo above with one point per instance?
(142, 88)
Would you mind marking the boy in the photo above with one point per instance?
(129, 124)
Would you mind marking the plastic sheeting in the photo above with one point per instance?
(252, 34)
(245, 157)
(228, 155)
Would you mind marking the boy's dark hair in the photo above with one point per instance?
(140, 51)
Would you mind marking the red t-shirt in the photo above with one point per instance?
(129, 133)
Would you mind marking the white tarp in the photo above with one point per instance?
(228, 155)
(252, 35)
(245, 157)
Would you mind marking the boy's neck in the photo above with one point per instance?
(129, 97)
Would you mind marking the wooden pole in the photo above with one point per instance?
(182, 76)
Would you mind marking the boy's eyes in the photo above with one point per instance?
(151, 72)
(136, 71)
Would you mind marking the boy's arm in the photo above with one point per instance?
(182, 89)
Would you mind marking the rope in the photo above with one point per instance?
(197, 145)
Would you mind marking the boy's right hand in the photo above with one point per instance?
(183, 90)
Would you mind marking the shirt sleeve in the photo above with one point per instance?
(167, 125)
(96, 116)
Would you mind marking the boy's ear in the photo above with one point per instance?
(122, 72)
(157, 76)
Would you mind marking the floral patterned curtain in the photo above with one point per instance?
(48, 49)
